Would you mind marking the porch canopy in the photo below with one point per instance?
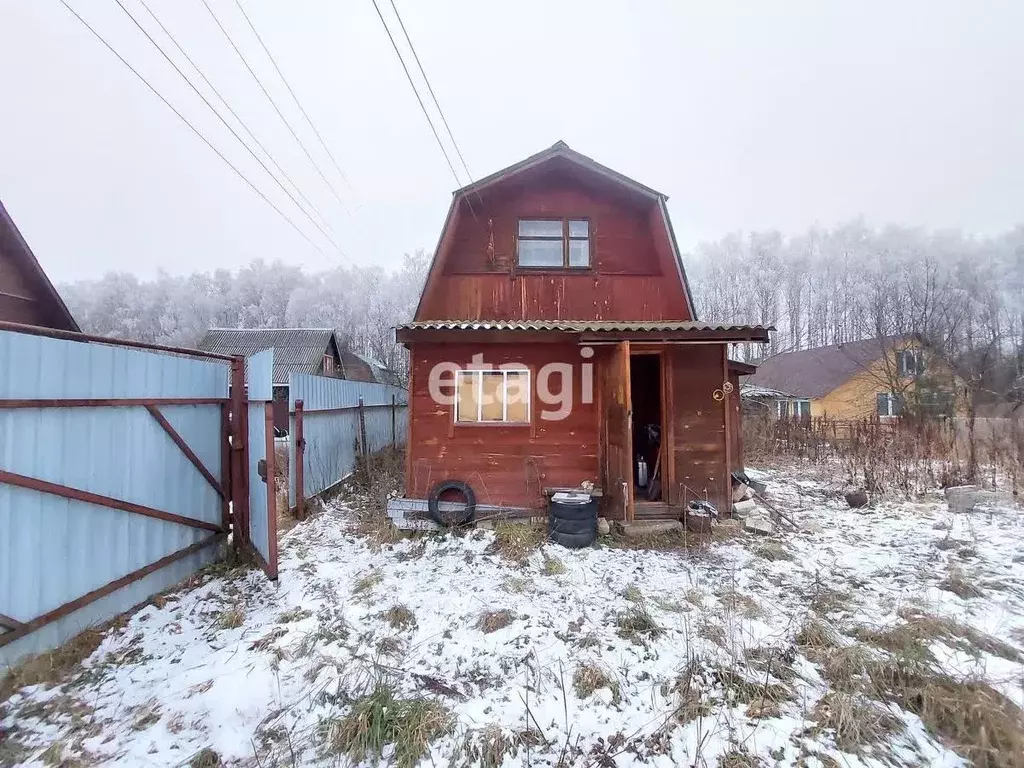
(579, 331)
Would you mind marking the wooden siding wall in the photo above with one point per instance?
(698, 424)
(633, 273)
(20, 298)
(503, 464)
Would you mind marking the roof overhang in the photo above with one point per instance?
(578, 332)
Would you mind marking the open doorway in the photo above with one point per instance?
(645, 394)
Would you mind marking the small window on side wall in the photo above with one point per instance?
(328, 364)
(910, 362)
(554, 244)
(889, 404)
(492, 397)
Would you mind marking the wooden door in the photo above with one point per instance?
(617, 417)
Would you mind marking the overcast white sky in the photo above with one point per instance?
(749, 115)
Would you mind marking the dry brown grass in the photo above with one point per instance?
(492, 621)
(293, 614)
(816, 635)
(637, 625)
(58, 665)
(553, 566)
(376, 479)
(911, 638)
(960, 584)
(736, 602)
(400, 617)
(231, 618)
(854, 721)
(772, 551)
(366, 582)
(488, 747)
(965, 714)
(590, 677)
(738, 757)
(517, 541)
(380, 720)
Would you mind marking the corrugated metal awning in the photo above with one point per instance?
(584, 331)
(575, 326)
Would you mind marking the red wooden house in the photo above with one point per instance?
(555, 342)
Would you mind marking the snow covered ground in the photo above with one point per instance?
(719, 654)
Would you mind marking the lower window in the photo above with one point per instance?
(485, 397)
(889, 404)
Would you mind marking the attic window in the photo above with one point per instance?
(554, 243)
(328, 364)
(910, 362)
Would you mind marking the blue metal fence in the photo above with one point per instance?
(331, 428)
(99, 506)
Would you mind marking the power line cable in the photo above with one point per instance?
(227, 125)
(234, 114)
(195, 130)
(294, 97)
(274, 105)
(415, 90)
(430, 89)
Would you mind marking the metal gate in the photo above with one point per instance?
(123, 467)
(262, 526)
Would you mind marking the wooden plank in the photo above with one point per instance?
(185, 449)
(76, 494)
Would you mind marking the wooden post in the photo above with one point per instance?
(362, 428)
(300, 458)
(394, 416)
(726, 407)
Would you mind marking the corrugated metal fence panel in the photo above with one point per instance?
(261, 374)
(318, 393)
(54, 550)
(332, 437)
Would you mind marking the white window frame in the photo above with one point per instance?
(479, 374)
(779, 405)
(795, 406)
(890, 400)
(917, 355)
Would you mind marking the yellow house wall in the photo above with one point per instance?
(855, 397)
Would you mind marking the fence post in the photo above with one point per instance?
(239, 453)
(225, 465)
(362, 428)
(394, 429)
(300, 457)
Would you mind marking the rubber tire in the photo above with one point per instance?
(433, 506)
(574, 540)
(571, 527)
(586, 511)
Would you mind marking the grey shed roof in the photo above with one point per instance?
(815, 372)
(296, 350)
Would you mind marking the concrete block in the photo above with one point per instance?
(744, 508)
(760, 525)
(603, 528)
(968, 498)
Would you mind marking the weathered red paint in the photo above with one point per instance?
(634, 275)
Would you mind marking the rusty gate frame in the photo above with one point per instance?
(232, 488)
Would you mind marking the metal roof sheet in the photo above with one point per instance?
(575, 326)
(296, 350)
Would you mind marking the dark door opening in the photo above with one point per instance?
(645, 393)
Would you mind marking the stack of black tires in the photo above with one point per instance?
(572, 520)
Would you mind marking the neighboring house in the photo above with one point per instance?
(26, 294)
(381, 373)
(567, 274)
(881, 377)
(296, 350)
